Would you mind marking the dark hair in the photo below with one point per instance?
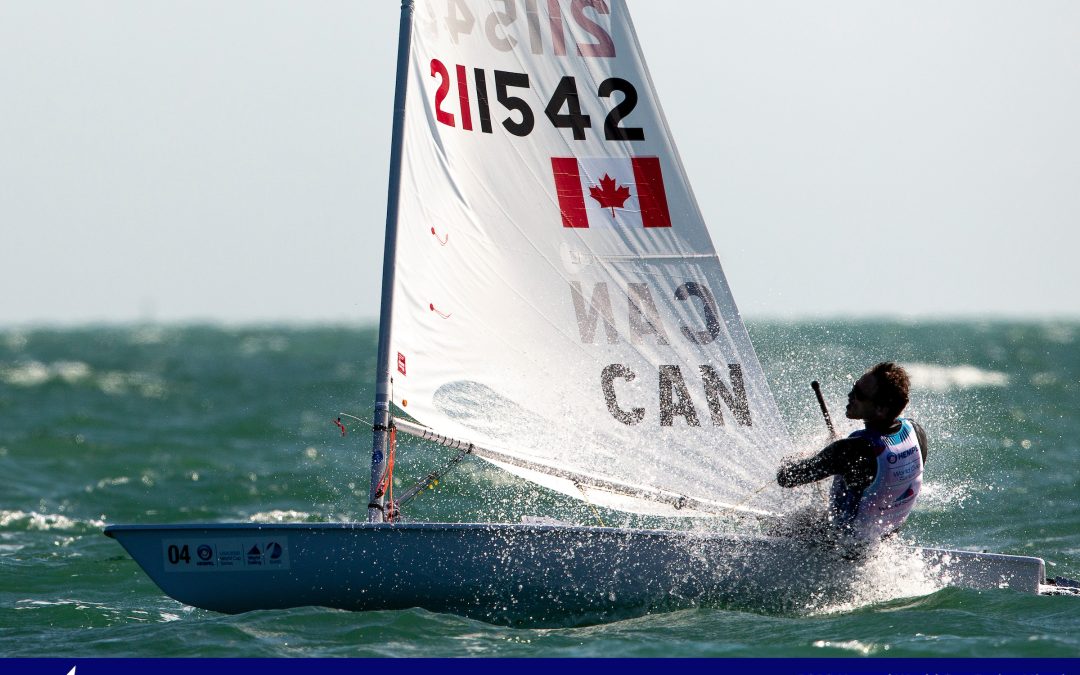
(892, 386)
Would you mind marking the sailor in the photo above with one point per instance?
(877, 471)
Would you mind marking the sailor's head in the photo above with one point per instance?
(880, 395)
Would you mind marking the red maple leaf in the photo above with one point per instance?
(610, 194)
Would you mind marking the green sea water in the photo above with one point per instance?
(163, 424)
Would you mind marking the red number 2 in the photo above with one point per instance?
(438, 69)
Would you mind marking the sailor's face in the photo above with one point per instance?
(861, 404)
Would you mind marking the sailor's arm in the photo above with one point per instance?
(924, 444)
(829, 462)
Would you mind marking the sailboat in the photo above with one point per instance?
(553, 304)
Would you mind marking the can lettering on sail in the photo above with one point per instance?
(675, 399)
(643, 318)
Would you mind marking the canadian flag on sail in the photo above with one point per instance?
(605, 191)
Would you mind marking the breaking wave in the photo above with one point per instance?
(35, 373)
(90, 610)
(279, 516)
(46, 522)
(945, 378)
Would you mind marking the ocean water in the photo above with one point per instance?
(145, 424)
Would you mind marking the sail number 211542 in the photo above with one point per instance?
(563, 108)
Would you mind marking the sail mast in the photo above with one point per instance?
(381, 420)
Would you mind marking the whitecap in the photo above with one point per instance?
(862, 648)
(944, 378)
(108, 483)
(116, 383)
(70, 371)
(80, 605)
(29, 374)
(45, 521)
(34, 373)
(279, 516)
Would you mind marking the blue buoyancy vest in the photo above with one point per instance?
(885, 504)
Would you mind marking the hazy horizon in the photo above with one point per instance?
(373, 322)
(227, 163)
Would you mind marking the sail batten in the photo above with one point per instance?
(557, 290)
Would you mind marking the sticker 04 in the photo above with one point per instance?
(211, 554)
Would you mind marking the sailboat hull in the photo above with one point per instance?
(537, 575)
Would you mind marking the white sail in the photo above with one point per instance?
(557, 296)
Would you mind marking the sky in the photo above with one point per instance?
(227, 161)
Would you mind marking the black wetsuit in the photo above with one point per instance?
(854, 459)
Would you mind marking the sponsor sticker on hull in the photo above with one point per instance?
(270, 553)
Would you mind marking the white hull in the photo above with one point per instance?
(538, 575)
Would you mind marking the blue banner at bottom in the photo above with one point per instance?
(800, 666)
